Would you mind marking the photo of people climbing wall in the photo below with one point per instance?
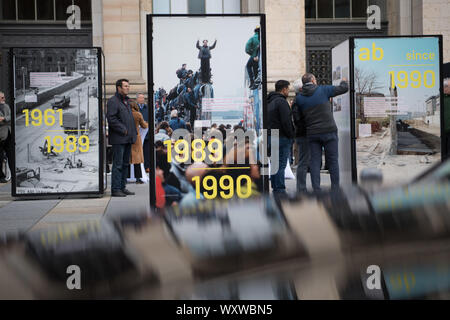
(211, 93)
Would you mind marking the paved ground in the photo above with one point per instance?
(25, 215)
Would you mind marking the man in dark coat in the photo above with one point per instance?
(280, 117)
(204, 54)
(122, 134)
(321, 130)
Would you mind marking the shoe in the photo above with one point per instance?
(139, 181)
(128, 192)
(118, 194)
(3, 180)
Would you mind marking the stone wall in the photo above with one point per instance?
(122, 43)
(436, 20)
(285, 30)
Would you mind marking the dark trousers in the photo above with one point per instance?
(204, 66)
(146, 149)
(303, 163)
(7, 147)
(137, 171)
(278, 184)
(192, 114)
(120, 167)
(329, 142)
(252, 69)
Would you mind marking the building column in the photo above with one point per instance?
(285, 32)
(122, 43)
(97, 23)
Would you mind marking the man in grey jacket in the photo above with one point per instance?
(204, 54)
(5, 134)
(122, 134)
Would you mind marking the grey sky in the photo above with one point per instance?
(174, 42)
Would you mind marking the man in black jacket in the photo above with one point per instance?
(204, 54)
(280, 117)
(321, 130)
(122, 134)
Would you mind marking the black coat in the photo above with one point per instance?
(121, 127)
(205, 52)
(144, 112)
(299, 120)
(280, 115)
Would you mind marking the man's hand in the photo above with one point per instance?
(256, 58)
(344, 79)
(2, 118)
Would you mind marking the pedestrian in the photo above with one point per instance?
(143, 108)
(301, 141)
(137, 153)
(252, 49)
(321, 130)
(280, 117)
(175, 122)
(6, 145)
(162, 132)
(122, 134)
(204, 54)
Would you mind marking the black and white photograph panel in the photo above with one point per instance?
(56, 120)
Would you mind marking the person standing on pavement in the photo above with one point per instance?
(137, 154)
(321, 130)
(143, 108)
(122, 134)
(301, 140)
(280, 117)
(5, 135)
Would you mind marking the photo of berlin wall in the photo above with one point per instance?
(56, 79)
(397, 117)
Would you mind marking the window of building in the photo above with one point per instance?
(42, 10)
(310, 9)
(196, 6)
(161, 6)
(8, 9)
(336, 9)
(359, 9)
(325, 9)
(26, 9)
(342, 8)
(45, 10)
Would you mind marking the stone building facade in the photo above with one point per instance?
(300, 33)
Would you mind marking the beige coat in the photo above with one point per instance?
(137, 154)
